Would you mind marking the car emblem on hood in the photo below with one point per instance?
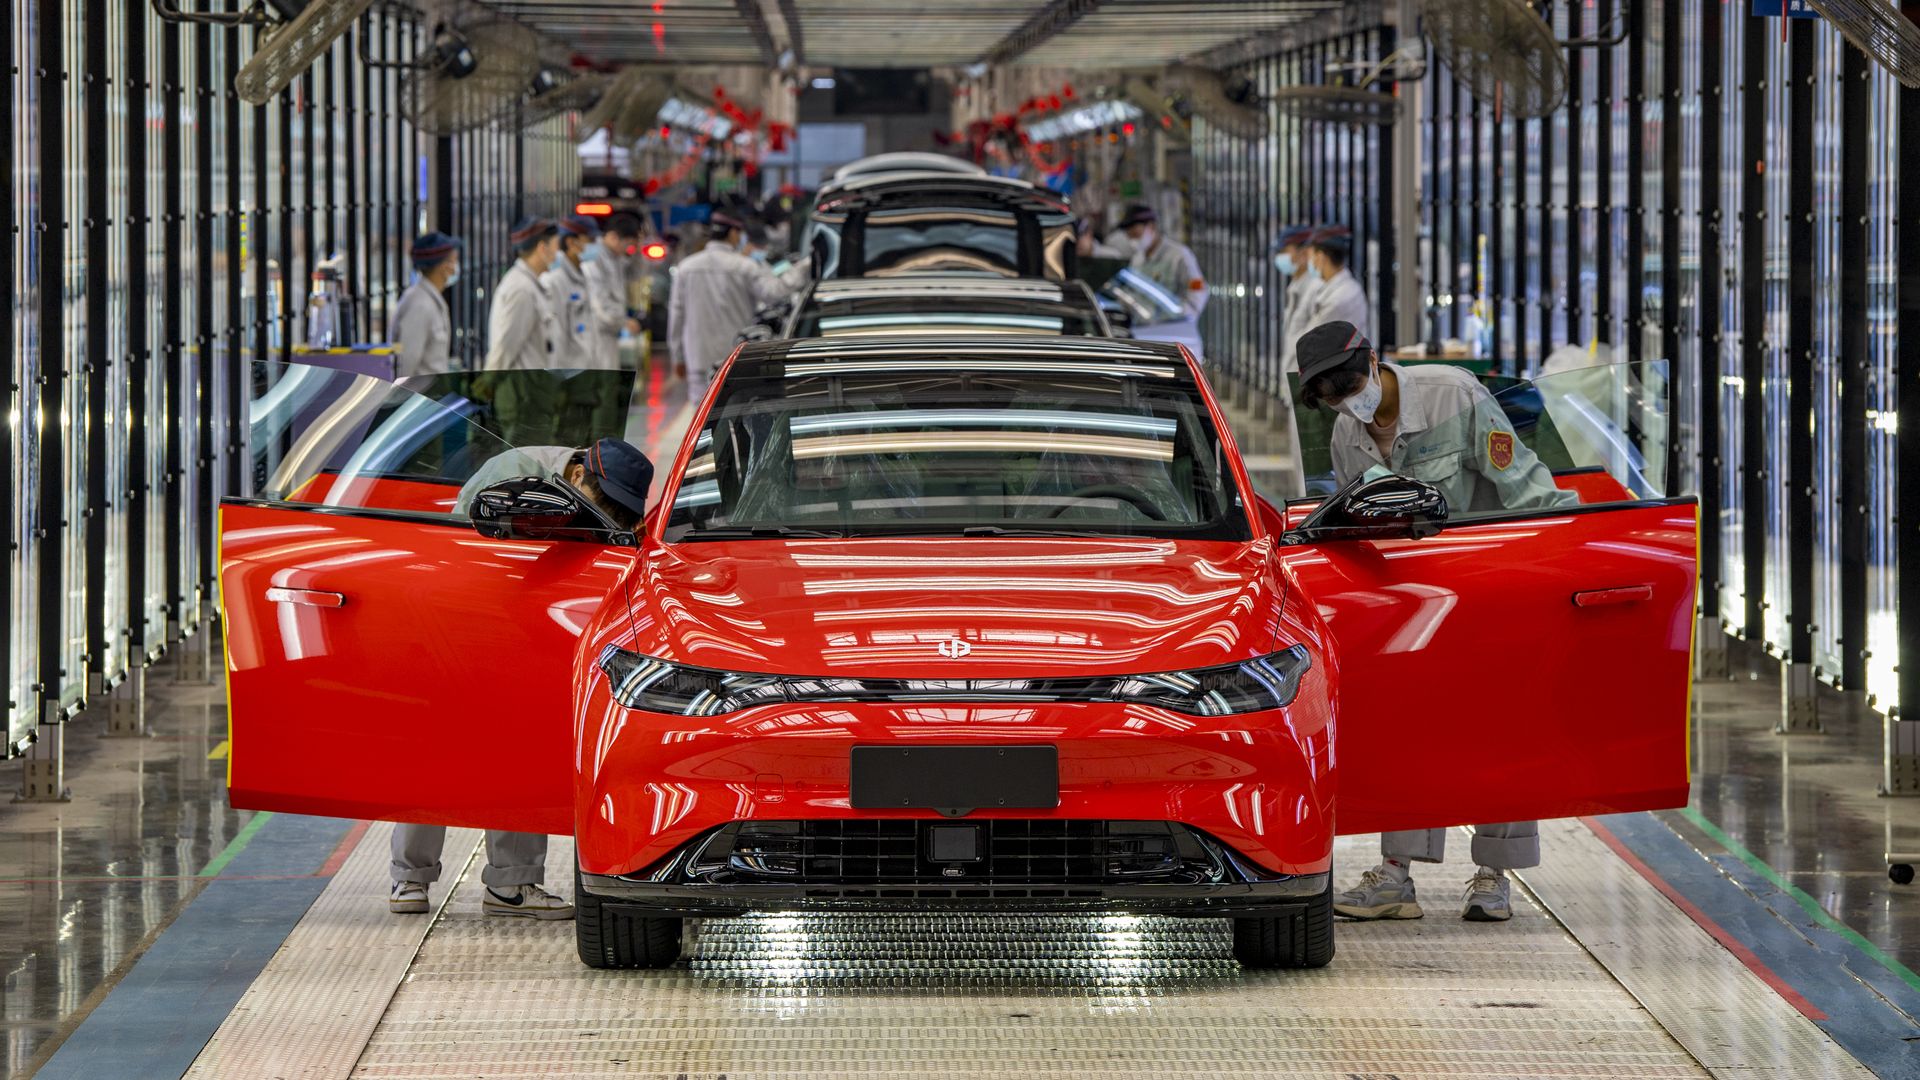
(954, 648)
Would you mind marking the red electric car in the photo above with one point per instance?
(988, 623)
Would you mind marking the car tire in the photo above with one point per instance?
(609, 936)
(1301, 940)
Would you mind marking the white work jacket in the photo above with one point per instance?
(1340, 299)
(422, 329)
(607, 289)
(1293, 319)
(1171, 265)
(521, 330)
(566, 286)
(716, 291)
(1454, 436)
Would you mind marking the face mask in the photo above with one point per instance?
(1364, 402)
(1283, 262)
(592, 254)
(453, 277)
(757, 256)
(1145, 241)
(740, 245)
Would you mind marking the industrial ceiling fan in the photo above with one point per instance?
(1502, 51)
(1232, 105)
(297, 32)
(1354, 103)
(630, 104)
(475, 69)
(556, 91)
(1891, 36)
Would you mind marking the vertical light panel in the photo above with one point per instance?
(1731, 399)
(1883, 165)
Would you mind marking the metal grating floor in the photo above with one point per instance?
(888, 996)
(895, 996)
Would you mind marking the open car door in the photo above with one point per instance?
(385, 660)
(1529, 657)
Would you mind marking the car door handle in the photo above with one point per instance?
(1621, 594)
(309, 597)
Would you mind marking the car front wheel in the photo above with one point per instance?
(1300, 940)
(611, 937)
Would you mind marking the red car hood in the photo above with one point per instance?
(1022, 608)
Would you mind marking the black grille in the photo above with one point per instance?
(984, 852)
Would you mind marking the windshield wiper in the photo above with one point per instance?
(764, 532)
(1082, 534)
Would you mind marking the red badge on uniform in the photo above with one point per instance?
(1500, 448)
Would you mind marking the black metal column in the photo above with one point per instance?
(96, 366)
(1671, 117)
(55, 351)
(139, 336)
(1850, 492)
(1798, 712)
(1753, 313)
(1903, 742)
(1710, 326)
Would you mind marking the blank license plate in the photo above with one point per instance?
(950, 778)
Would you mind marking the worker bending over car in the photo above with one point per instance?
(614, 477)
(1438, 425)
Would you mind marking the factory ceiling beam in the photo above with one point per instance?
(1049, 21)
(790, 14)
(756, 21)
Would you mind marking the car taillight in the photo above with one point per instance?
(595, 209)
(653, 685)
(655, 251)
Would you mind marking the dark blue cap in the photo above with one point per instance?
(529, 229)
(1138, 214)
(431, 248)
(623, 471)
(1291, 236)
(580, 225)
(1334, 238)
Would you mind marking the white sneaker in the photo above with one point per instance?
(527, 902)
(408, 898)
(1379, 895)
(1489, 897)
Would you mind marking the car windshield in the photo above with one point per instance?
(1496, 445)
(1029, 441)
(944, 314)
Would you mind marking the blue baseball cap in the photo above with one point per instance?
(431, 249)
(624, 473)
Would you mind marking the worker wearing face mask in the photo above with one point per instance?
(1436, 424)
(716, 292)
(1339, 296)
(567, 290)
(1301, 283)
(422, 326)
(1169, 264)
(606, 266)
(521, 330)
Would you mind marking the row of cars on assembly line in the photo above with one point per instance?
(954, 598)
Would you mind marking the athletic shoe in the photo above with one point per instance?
(1379, 896)
(1488, 897)
(408, 898)
(527, 902)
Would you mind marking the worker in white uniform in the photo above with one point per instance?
(1290, 259)
(521, 330)
(1436, 424)
(1168, 263)
(422, 327)
(566, 285)
(1339, 296)
(614, 476)
(716, 292)
(1295, 264)
(606, 264)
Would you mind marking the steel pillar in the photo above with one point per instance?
(43, 772)
(1799, 700)
(1709, 649)
(1901, 773)
(127, 707)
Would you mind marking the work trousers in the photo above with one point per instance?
(1514, 845)
(513, 858)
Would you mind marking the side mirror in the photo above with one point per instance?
(530, 508)
(1372, 509)
(754, 332)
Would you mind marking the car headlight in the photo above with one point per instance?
(659, 686)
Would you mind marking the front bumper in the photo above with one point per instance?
(1112, 867)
